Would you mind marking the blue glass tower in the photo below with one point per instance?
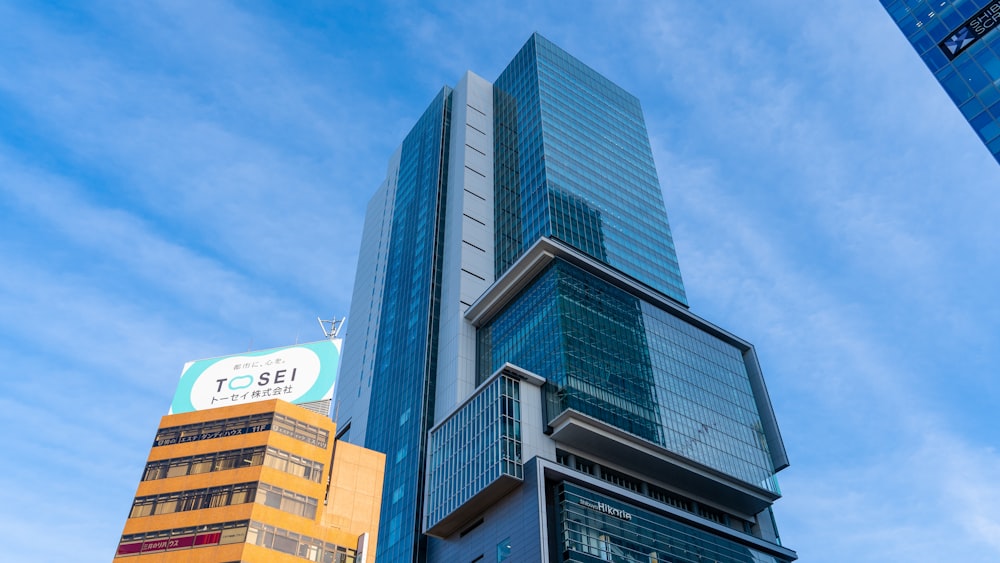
(521, 348)
(582, 169)
(958, 42)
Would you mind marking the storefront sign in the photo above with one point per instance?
(187, 541)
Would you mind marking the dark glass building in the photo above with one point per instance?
(957, 39)
(521, 348)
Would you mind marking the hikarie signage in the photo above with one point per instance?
(298, 374)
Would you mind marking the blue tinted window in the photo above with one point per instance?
(504, 549)
(956, 87)
(989, 95)
(973, 75)
(935, 59)
(936, 30)
(908, 25)
(897, 10)
(951, 18)
(990, 63)
(980, 120)
(966, 8)
(921, 42)
(986, 126)
(971, 108)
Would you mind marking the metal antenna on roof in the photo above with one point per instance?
(331, 328)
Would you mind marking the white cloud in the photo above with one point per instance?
(181, 177)
(211, 158)
(844, 270)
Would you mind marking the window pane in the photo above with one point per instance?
(144, 509)
(285, 545)
(201, 466)
(166, 506)
(177, 469)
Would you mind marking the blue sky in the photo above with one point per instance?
(181, 180)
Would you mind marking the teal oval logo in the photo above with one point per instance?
(234, 386)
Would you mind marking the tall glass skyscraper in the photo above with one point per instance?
(957, 39)
(521, 348)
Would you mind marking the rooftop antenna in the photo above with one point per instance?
(331, 329)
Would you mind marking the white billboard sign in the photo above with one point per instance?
(298, 374)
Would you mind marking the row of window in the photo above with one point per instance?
(226, 495)
(286, 501)
(243, 425)
(593, 527)
(652, 491)
(311, 549)
(243, 531)
(233, 459)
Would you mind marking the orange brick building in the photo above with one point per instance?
(253, 483)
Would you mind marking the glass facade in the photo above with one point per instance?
(476, 446)
(612, 356)
(406, 352)
(592, 528)
(958, 41)
(573, 162)
(659, 494)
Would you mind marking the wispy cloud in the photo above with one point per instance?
(211, 155)
(869, 439)
(180, 179)
(793, 231)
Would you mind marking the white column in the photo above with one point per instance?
(467, 268)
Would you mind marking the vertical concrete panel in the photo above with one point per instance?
(467, 268)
